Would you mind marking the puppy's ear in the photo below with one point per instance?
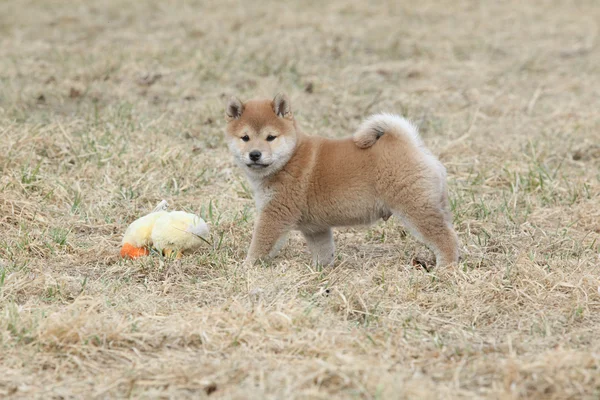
(234, 109)
(282, 106)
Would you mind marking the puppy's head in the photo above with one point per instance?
(261, 134)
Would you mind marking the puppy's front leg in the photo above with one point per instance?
(268, 229)
(321, 246)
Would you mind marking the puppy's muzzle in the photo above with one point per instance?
(255, 155)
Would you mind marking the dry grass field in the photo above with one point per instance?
(108, 107)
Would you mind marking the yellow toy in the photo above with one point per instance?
(170, 233)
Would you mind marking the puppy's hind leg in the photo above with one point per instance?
(426, 214)
(431, 227)
(321, 246)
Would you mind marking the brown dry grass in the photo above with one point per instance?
(106, 108)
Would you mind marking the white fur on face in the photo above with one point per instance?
(282, 153)
(275, 158)
(238, 157)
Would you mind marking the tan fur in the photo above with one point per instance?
(313, 184)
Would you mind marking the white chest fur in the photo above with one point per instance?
(262, 194)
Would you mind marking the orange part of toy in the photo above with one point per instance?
(129, 251)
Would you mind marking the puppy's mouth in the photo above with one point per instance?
(257, 165)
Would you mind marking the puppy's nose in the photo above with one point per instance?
(255, 155)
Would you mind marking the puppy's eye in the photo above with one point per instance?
(270, 138)
(245, 138)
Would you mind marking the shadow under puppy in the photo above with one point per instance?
(312, 184)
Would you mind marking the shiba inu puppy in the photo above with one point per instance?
(312, 184)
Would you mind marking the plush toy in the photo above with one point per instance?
(138, 236)
(170, 233)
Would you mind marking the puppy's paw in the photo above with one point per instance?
(249, 262)
(419, 263)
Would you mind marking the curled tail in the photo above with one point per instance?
(385, 124)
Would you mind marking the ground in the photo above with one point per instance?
(108, 107)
